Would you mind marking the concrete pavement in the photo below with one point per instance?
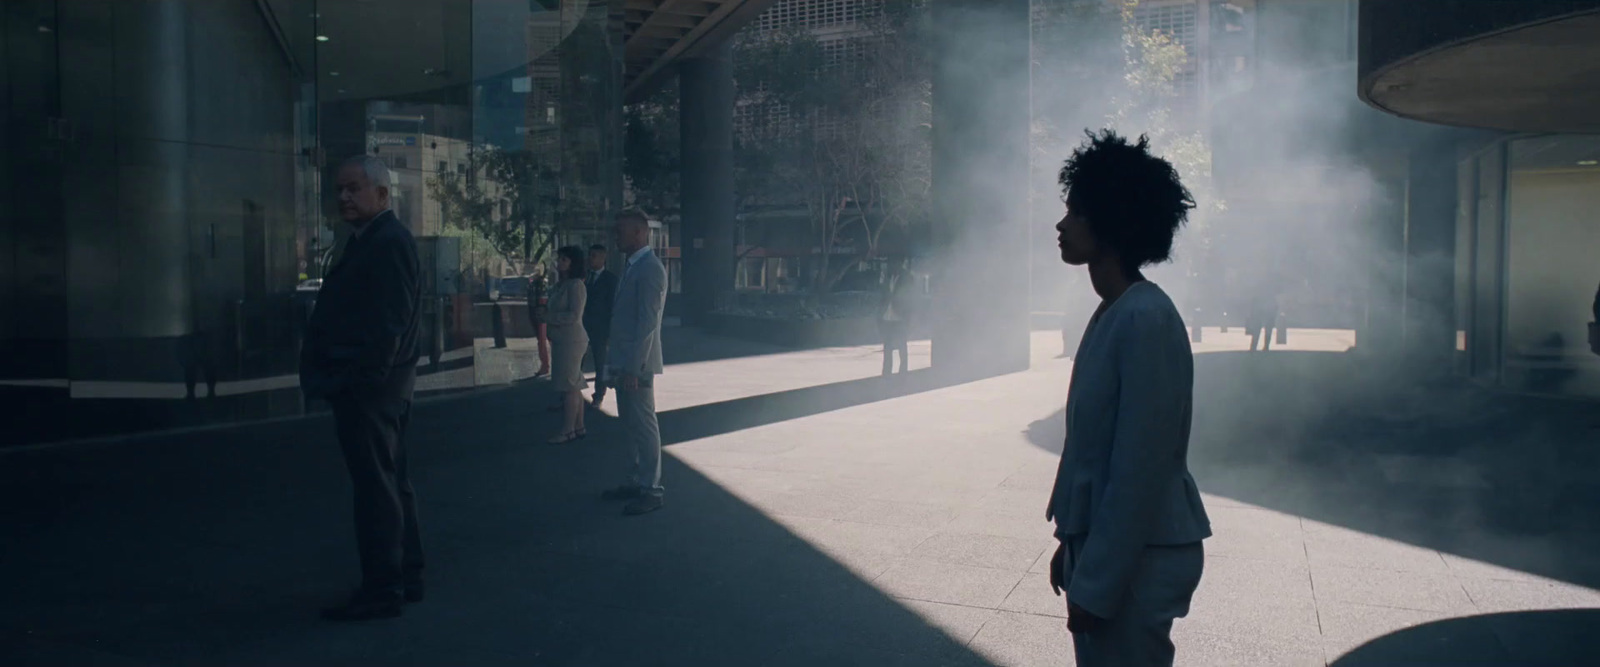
(819, 515)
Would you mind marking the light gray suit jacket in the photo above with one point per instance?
(1124, 482)
(636, 318)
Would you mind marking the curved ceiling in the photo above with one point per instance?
(1536, 77)
(657, 33)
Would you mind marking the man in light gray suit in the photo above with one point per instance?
(635, 360)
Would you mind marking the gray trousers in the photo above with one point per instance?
(1141, 633)
(636, 410)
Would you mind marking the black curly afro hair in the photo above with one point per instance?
(1133, 199)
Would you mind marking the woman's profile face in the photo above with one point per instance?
(1075, 238)
(563, 265)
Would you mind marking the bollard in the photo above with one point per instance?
(1195, 337)
(1283, 335)
(436, 348)
(499, 326)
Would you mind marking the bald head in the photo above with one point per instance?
(633, 231)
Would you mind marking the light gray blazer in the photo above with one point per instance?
(636, 318)
(1124, 480)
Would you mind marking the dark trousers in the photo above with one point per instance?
(895, 337)
(372, 434)
(1163, 585)
(597, 354)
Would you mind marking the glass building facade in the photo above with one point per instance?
(1526, 281)
(165, 168)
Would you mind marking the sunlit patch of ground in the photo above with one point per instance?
(937, 499)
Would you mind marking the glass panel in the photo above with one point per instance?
(1466, 195)
(194, 146)
(33, 241)
(1553, 192)
(1488, 268)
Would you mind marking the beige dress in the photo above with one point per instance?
(568, 340)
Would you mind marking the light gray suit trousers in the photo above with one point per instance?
(637, 411)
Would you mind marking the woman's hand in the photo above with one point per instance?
(1057, 580)
(1078, 619)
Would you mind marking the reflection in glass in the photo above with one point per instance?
(1552, 204)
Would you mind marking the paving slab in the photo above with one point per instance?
(817, 514)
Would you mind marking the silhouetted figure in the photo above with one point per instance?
(635, 360)
(360, 355)
(197, 356)
(1594, 325)
(602, 288)
(1127, 511)
(894, 318)
(569, 340)
(1263, 316)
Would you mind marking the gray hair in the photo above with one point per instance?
(374, 167)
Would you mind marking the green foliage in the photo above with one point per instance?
(1087, 45)
(1152, 62)
(850, 139)
(650, 152)
(495, 201)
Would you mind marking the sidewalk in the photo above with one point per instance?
(817, 515)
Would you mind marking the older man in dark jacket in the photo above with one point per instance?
(360, 355)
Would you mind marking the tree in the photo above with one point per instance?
(496, 201)
(847, 137)
(1095, 64)
(1152, 62)
(650, 152)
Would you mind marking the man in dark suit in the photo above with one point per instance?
(597, 316)
(360, 355)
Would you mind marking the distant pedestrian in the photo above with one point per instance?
(568, 340)
(635, 360)
(1594, 325)
(1127, 512)
(360, 354)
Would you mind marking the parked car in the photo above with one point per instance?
(508, 287)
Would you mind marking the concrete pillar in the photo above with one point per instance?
(706, 145)
(131, 250)
(1428, 309)
(983, 222)
(1380, 331)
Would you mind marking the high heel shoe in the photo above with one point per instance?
(565, 438)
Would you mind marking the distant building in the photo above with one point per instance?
(777, 251)
(416, 159)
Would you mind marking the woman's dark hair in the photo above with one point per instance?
(576, 262)
(1133, 199)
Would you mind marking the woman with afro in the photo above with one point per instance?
(1127, 511)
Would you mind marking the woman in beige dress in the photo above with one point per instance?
(568, 341)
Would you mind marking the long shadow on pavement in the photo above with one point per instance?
(1493, 477)
(704, 421)
(218, 547)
